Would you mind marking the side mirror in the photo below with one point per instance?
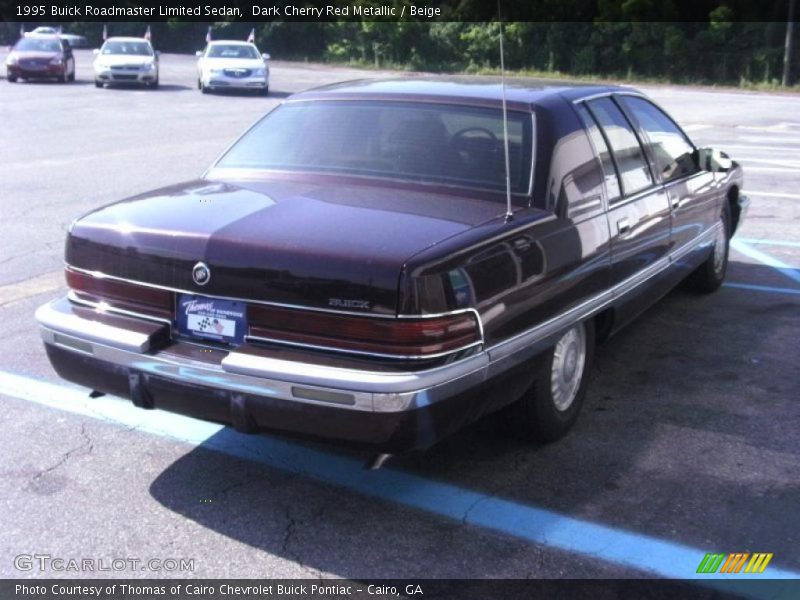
(266, 56)
(199, 53)
(713, 160)
(96, 51)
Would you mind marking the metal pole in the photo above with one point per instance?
(787, 52)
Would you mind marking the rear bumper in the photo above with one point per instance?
(384, 410)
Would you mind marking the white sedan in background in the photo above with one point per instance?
(232, 65)
(126, 60)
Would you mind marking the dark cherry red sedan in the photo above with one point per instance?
(41, 57)
(348, 270)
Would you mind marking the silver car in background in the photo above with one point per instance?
(232, 65)
(126, 60)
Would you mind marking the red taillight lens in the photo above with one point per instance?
(394, 337)
(118, 294)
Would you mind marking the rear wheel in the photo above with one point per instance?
(710, 275)
(12, 79)
(550, 407)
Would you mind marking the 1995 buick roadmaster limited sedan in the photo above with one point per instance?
(377, 263)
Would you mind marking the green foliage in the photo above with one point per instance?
(615, 39)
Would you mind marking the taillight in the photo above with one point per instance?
(418, 337)
(121, 295)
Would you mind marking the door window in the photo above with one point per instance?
(669, 147)
(628, 155)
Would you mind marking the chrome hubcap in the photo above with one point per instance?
(569, 357)
(719, 251)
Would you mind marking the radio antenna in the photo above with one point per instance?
(509, 213)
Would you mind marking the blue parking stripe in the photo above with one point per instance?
(536, 525)
(762, 288)
(769, 242)
(766, 259)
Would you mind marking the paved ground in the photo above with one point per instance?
(688, 442)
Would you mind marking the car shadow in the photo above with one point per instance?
(689, 426)
(162, 87)
(248, 93)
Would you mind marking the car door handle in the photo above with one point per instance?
(623, 225)
(676, 203)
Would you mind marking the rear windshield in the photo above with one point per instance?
(133, 48)
(448, 144)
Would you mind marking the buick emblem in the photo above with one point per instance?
(201, 274)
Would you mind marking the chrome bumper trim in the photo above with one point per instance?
(256, 375)
(111, 330)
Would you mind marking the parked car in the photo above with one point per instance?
(348, 270)
(74, 40)
(226, 64)
(126, 60)
(40, 57)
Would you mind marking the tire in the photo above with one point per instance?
(153, 85)
(709, 276)
(200, 85)
(550, 407)
(204, 89)
(98, 83)
(12, 80)
(265, 91)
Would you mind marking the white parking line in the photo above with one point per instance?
(770, 161)
(696, 127)
(773, 194)
(771, 170)
(787, 148)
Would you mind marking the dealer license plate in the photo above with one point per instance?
(211, 318)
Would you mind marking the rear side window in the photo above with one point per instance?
(575, 184)
(628, 154)
(603, 153)
(669, 147)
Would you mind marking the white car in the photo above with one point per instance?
(126, 60)
(232, 65)
(74, 40)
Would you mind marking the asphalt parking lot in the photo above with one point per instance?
(689, 441)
